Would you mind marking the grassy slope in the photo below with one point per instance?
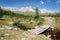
(18, 34)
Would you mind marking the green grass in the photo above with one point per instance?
(12, 34)
(18, 34)
(41, 37)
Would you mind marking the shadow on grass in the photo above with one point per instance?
(21, 26)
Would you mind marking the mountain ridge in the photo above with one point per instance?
(26, 9)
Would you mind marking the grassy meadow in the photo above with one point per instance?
(28, 21)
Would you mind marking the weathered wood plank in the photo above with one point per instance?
(39, 29)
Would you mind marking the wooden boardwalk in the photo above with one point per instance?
(39, 30)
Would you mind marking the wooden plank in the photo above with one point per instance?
(40, 29)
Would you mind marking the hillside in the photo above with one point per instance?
(7, 18)
(26, 20)
(10, 32)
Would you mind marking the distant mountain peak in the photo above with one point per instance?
(46, 11)
(26, 9)
(22, 9)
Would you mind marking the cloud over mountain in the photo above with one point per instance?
(26, 9)
(22, 9)
(46, 11)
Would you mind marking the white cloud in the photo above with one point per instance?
(26, 9)
(46, 11)
(22, 9)
(10, 8)
(41, 2)
(58, 1)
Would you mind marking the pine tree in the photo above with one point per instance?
(37, 13)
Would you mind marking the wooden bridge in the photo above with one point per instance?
(39, 30)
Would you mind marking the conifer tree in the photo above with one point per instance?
(37, 13)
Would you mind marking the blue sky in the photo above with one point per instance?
(46, 4)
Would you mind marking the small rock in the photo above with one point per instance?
(23, 39)
(15, 28)
(10, 22)
(7, 27)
